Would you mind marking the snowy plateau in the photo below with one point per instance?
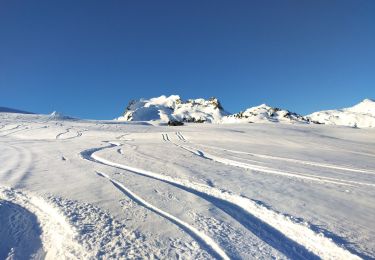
(265, 183)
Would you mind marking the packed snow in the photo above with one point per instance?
(81, 189)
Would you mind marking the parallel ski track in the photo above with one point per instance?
(264, 169)
(293, 239)
(315, 164)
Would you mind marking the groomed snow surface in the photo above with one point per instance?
(75, 189)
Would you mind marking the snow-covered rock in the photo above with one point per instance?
(264, 113)
(360, 115)
(172, 108)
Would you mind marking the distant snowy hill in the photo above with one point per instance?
(265, 113)
(360, 115)
(12, 110)
(172, 108)
(164, 109)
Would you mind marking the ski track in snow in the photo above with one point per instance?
(269, 170)
(12, 128)
(293, 239)
(195, 233)
(67, 131)
(310, 163)
(180, 136)
(58, 136)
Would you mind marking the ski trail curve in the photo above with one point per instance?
(210, 244)
(271, 170)
(316, 164)
(68, 130)
(63, 133)
(295, 240)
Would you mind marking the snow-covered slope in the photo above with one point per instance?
(360, 115)
(79, 189)
(264, 113)
(164, 109)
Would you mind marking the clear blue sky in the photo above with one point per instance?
(89, 58)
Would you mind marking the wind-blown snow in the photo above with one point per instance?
(360, 115)
(84, 189)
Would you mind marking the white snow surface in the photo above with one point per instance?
(360, 115)
(163, 109)
(264, 114)
(78, 189)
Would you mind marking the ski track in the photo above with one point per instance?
(14, 170)
(122, 136)
(208, 243)
(68, 130)
(316, 164)
(264, 169)
(61, 134)
(293, 239)
(17, 126)
(180, 136)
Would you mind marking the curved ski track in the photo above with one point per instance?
(315, 164)
(293, 239)
(264, 169)
(78, 134)
(210, 244)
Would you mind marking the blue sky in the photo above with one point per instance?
(89, 58)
